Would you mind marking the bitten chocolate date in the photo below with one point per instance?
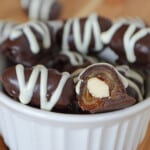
(40, 87)
(101, 88)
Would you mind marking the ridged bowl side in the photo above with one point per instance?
(22, 133)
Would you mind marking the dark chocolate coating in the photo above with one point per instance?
(147, 83)
(141, 49)
(104, 25)
(118, 98)
(19, 51)
(132, 92)
(64, 104)
(56, 11)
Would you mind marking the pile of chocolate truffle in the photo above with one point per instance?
(78, 65)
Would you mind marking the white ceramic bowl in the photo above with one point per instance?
(26, 128)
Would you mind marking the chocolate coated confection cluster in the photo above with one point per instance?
(61, 68)
(99, 88)
(128, 40)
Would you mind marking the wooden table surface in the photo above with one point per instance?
(10, 9)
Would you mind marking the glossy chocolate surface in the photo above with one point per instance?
(64, 104)
(104, 24)
(141, 49)
(19, 50)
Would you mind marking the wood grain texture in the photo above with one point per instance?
(10, 9)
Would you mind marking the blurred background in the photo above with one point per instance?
(10, 9)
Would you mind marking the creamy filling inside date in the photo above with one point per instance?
(97, 88)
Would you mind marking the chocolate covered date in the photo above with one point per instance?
(135, 81)
(40, 87)
(42, 9)
(69, 61)
(129, 40)
(101, 88)
(83, 35)
(29, 42)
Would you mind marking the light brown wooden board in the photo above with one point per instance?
(10, 9)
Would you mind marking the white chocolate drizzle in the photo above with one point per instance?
(26, 29)
(132, 76)
(82, 44)
(136, 88)
(130, 36)
(5, 29)
(75, 74)
(38, 9)
(74, 57)
(131, 73)
(91, 59)
(27, 89)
